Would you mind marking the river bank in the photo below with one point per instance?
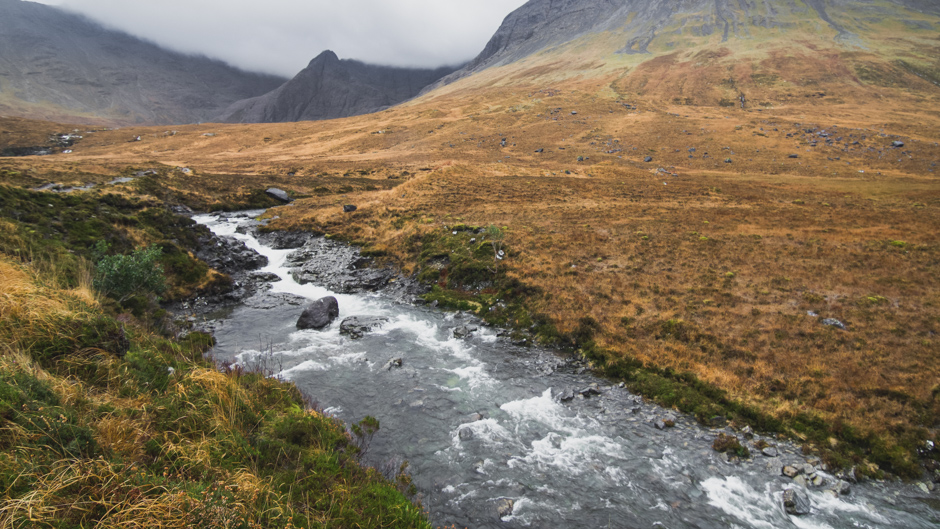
(500, 434)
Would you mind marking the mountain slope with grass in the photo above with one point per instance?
(59, 66)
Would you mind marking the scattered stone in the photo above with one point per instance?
(796, 502)
(504, 507)
(464, 331)
(843, 488)
(278, 194)
(791, 471)
(727, 160)
(539, 150)
(319, 314)
(566, 395)
(648, 159)
(590, 391)
(794, 156)
(830, 322)
(897, 144)
(349, 208)
(356, 326)
(747, 432)
(770, 451)
(394, 362)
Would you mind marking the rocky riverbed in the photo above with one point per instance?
(501, 435)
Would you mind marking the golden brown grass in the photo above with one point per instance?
(738, 252)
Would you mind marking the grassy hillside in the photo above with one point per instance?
(109, 419)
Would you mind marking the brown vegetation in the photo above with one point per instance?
(707, 261)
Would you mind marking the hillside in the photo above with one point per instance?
(330, 88)
(59, 66)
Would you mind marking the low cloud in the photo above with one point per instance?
(281, 36)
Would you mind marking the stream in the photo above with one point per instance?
(504, 436)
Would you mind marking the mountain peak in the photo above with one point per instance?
(326, 56)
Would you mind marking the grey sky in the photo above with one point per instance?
(281, 36)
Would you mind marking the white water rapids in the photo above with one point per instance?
(479, 422)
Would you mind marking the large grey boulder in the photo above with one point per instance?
(278, 194)
(319, 314)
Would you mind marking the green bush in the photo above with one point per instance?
(124, 276)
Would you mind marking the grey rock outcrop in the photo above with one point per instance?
(319, 314)
(330, 88)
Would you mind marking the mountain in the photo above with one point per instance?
(332, 88)
(685, 48)
(60, 66)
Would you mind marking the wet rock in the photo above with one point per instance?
(801, 481)
(923, 487)
(504, 507)
(796, 502)
(349, 208)
(791, 471)
(285, 240)
(319, 314)
(842, 488)
(747, 432)
(464, 331)
(848, 475)
(357, 326)
(229, 255)
(566, 395)
(590, 391)
(465, 434)
(267, 277)
(818, 481)
(278, 194)
(830, 322)
(770, 451)
(339, 267)
(394, 362)
(474, 417)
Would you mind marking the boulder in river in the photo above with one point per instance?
(504, 507)
(278, 194)
(394, 362)
(796, 502)
(357, 326)
(319, 314)
(464, 331)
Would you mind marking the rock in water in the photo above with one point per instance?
(278, 194)
(356, 326)
(394, 362)
(319, 314)
(504, 507)
(796, 502)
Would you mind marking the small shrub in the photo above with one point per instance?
(729, 443)
(124, 276)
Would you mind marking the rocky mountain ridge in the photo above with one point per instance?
(331, 88)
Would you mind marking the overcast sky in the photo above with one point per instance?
(281, 36)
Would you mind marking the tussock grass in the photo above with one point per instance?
(90, 438)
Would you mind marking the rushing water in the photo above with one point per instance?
(480, 423)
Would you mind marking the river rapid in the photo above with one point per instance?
(499, 435)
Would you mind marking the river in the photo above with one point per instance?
(490, 443)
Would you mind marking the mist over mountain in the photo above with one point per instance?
(56, 65)
(332, 88)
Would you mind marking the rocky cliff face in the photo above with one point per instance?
(332, 88)
(649, 26)
(56, 65)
